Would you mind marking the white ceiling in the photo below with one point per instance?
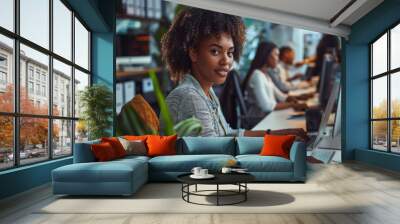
(315, 15)
(319, 9)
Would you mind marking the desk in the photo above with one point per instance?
(280, 119)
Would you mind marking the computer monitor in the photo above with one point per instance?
(333, 99)
(326, 80)
(309, 73)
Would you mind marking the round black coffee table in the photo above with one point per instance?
(238, 179)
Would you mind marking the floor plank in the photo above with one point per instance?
(377, 190)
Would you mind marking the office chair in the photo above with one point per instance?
(233, 104)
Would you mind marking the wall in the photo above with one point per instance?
(355, 136)
(24, 178)
(99, 15)
(103, 64)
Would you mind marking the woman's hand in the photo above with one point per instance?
(300, 106)
(291, 99)
(300, 134)
(305, 96)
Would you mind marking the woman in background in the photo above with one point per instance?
(261, 94)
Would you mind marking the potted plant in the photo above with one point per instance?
(96, 102)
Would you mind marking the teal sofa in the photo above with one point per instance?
(125, 176)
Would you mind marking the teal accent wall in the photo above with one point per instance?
(24, 178)
(91, 11)
(99, 16)
(355, 139)
(103, 64)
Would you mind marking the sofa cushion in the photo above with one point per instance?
(116, 145)
(257, 163)
(134, 147)
(161, 145)
(249, 145)
(185, 163)
(111, 171)
(135, 137)
(103, 152)
(206, 145)
(83, 152)
(277, 145)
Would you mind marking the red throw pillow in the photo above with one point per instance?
(161, 145)
(103, 151)
(277, 145)
(116, 145)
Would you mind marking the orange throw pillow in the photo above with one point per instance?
(277, 145)
(116, 145)
(103, 152)
(161, 145)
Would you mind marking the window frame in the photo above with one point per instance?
(388, 74)
(16, 114)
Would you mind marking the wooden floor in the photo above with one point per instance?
(377, 188)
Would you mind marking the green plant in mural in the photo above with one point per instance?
(130, 123)
(96, 103)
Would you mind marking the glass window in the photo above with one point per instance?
(34, 21)
(379, 98)
(395, 136)
(3, 78)
(385, 125)
(34, 80)
(62, 29)
(395, 95)
(6, 82)
(40, 61)
(3, 61)
(7, 14)
(37, 89)
(63, 72)
(81, 81)
(6, 142)
(33, 140)
(62, 138)
(43, 90)
(379, 56)
(81, 131)
(379, 133)
(81, 45)
(30, 87)
(30, 72)
(37, 75)
(395, 47)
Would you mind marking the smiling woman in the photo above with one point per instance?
(199, 50)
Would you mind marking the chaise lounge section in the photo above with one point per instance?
(125, 176)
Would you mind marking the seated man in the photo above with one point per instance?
(287, 69)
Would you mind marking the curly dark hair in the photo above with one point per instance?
(190, 27)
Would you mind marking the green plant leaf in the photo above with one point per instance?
(164, 111)
(189, 127)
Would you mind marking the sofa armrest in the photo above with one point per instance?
(83, 152)
(298, 157)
